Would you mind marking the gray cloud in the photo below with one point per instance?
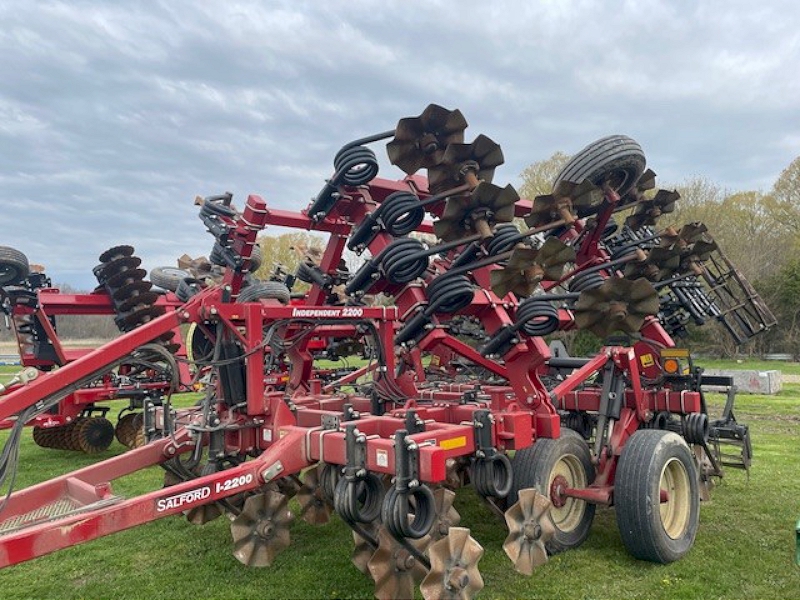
(113, 116)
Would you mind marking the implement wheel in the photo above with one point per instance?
(552, 464)
(656, 496)
(13, 266)
(616, 161)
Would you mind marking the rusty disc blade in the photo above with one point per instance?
(454, 567)
(617, 305)
(530, 527)
(314, 508)
(261, 530)
(394, 569)
(116, 252)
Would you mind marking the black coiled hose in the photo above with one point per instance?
(585, 281)
(403, 260)
(449, 294)
(406, 519)
(537, 317)
(492, 477)
(355, 165)
(504, 239)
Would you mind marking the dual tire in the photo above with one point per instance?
(656, 497)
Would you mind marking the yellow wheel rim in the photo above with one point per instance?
(675, 511)
(568, 516)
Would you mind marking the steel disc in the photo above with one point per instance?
(529, 527)
(125, 431)
(394, 569)
(420, 142)
(116, 252)
(454, 571)
(363, 548)
(140, 316)
(119, 267)
(261, 530)
(93, 435)
(314, 507)
(446, 514)
(124, 278)
(616, 305)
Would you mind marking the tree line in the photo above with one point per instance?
(759, 232)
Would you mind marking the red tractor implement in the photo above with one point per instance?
(462, 386)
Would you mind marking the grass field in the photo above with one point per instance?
(744, 548)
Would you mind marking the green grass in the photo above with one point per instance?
(744, 548)
(790, 368)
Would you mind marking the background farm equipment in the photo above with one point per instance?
(79, 421)
(461, 387)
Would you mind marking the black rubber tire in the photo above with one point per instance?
(187, 288)
(616, 158)
(536, 466)
(14, 267)
(168, 278)
(651, 530)
(262, 290)
(256, 258)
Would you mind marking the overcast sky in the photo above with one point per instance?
(113, 116)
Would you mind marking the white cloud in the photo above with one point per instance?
(113, 116)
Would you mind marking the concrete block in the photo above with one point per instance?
(751, 382)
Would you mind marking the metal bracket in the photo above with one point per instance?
(356, 453)
(406, 461)
(482, 422)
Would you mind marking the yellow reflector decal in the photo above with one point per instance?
(675, 353)
(453, 443)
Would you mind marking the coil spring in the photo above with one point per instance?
(397, 510)
(586, 281)
(537, 317)
(468, 254)
(359, 500)
(610, 228)
(403, 260)
(216, 206)
(579, 422)
(504, 239)
(661, 420)
(449, 294)
(492, 476)
(695, 428)
(624, 252)
(328, 480)
(401, 213)
(355, 165)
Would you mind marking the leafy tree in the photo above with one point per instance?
(537, 179)
(785, 202)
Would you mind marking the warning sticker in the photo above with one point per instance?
(382, 458)
(647, 360)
